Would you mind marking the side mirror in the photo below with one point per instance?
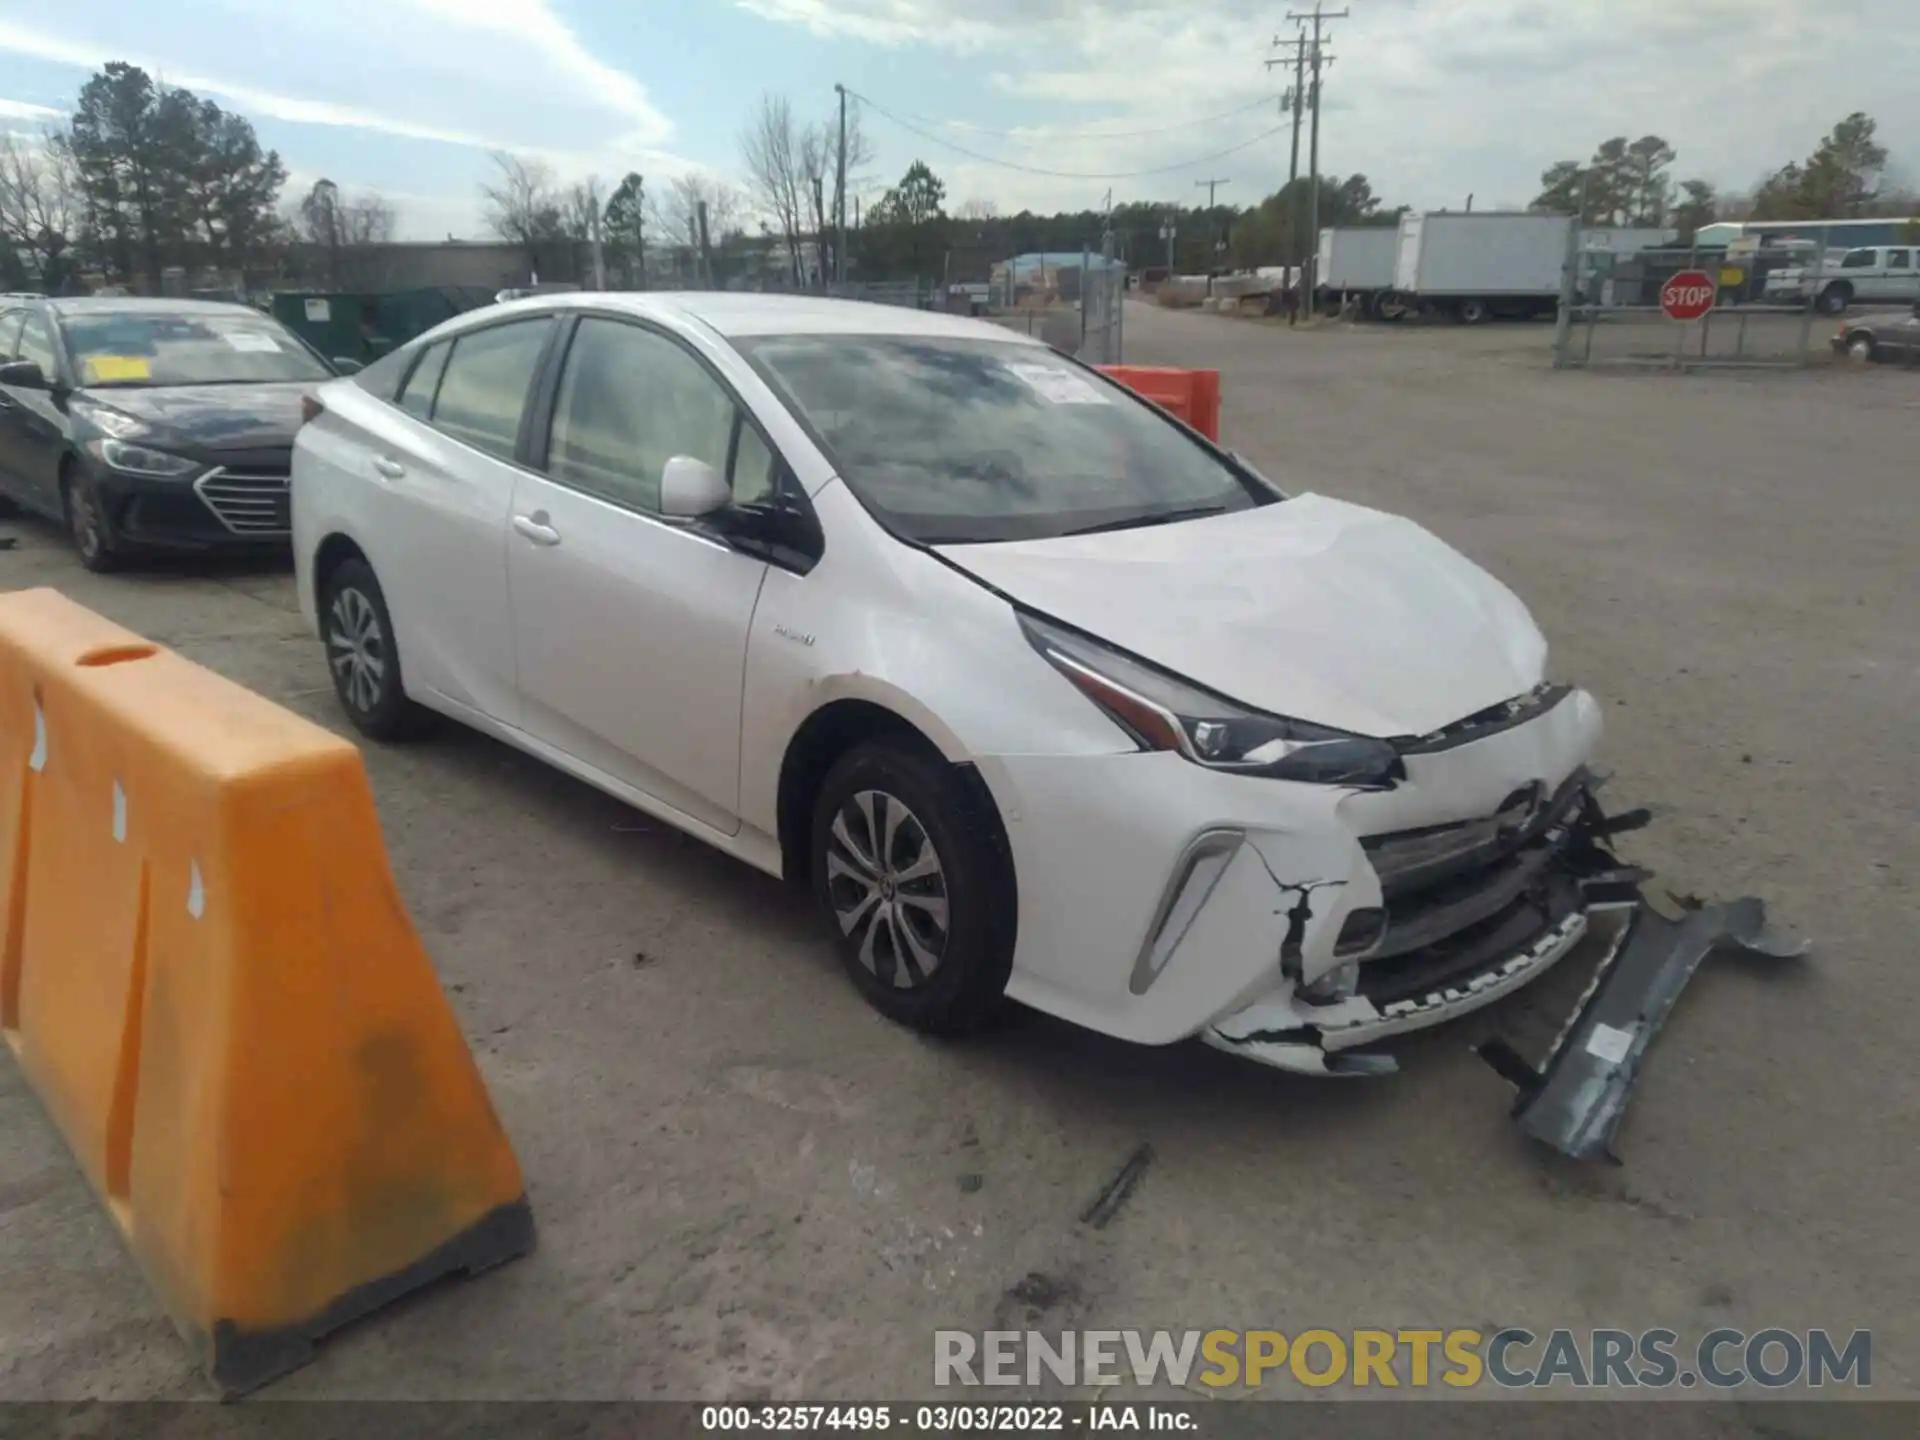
(690, 489)
(25, 374)
(347, 365)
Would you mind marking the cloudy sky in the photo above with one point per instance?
(1432, 99)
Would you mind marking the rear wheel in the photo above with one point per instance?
(1474, 312)
(363, 657)
(910, 875)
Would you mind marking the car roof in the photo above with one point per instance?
(740, 314)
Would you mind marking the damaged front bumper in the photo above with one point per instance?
(1459, 930)
(1574, 1099)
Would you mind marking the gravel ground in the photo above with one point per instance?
(748, 1184)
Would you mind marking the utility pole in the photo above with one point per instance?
(840, 195)
(1294, 101)
(1212, 255)
(593, 233)
(1317, 60)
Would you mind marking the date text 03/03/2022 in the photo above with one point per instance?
(947, 1419)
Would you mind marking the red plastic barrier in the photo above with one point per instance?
(1191, 395)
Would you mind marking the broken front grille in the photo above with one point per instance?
(1446, 887)
(249, 502)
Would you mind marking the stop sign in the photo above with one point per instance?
(1688, 295)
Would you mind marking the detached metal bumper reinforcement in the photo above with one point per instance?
(1574, 1101)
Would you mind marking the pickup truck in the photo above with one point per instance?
(1871, 274)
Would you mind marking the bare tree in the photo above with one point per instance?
(579, 204)
(771, 147)
(676, 214)
(978, 210)
(522, 205)
(41, 206)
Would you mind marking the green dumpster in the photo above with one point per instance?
(364, 327)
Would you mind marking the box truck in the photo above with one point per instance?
(1478, 265)
(1355, 266)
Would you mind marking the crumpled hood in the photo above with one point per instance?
(1312, 608)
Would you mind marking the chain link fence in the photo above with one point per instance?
(1611, 316)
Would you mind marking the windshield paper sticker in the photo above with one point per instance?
(1058, 387)
(252, 342)
(109, 369)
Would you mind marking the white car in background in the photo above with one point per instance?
(1044, 695)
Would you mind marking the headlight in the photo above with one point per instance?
(107, 421)
(139, 460)
(1162, 712)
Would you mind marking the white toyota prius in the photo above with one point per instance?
(1044, 695)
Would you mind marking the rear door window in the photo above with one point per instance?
(483, 392)
(1898, 259)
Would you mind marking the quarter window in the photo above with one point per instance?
(416, 398)
(484, 389)
(629, 401)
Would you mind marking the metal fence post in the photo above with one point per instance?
(1569, 286)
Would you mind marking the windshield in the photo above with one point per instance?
(149, 348)
(952, 440)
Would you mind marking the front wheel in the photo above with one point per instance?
(1834, 300)
(918, 890)
(363, 656)
(1860, 349)
(87, 526)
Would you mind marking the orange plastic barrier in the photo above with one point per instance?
(1192, 395)
(210, 980)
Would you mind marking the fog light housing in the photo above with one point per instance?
(1364, 929)
(1339, 983)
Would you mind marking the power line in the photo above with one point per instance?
(1066, 174)
(1041, 133)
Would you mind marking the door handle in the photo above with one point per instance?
(392, 469)
(536, 529)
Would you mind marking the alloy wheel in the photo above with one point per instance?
(888, 888)
(357, 649)
(83, 519)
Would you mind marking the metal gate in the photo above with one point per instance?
(1610, 316)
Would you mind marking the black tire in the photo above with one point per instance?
(88, 528)
(1835, 299)
(866, 896)
(1474, 312)
(1861, 349)
(362, 658)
